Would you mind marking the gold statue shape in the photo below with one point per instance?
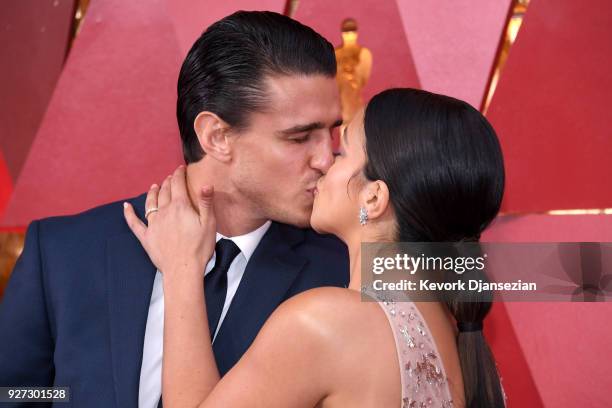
(354, 68)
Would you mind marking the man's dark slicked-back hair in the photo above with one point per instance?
(225, 69)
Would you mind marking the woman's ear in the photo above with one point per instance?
(212, 133)
(375, 199)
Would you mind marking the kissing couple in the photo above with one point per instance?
(236, 282)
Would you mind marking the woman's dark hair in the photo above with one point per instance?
(443, 165)
(225, 69)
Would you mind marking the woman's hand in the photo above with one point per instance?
(177, 237)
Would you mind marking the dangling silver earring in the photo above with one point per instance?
(363, 216)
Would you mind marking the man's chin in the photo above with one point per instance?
(298, 219)
(301, 220)
(301, 224)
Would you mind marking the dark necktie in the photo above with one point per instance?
(215, 285)
(215, 282)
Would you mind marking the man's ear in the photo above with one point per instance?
(212, 133)
(375, 198)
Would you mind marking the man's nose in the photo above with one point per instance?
(323, 155)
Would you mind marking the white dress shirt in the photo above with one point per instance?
(149, 390)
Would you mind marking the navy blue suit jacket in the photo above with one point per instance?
(75, 309)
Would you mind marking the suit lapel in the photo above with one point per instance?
(130, 276)
(271, 271)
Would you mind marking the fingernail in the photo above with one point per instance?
(125, 205)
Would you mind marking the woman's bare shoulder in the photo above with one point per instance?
(333, 312)
(344, 303)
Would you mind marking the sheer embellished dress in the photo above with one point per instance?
(423, 379)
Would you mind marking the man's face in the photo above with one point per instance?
(279, 158)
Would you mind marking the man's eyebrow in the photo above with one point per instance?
(307, 127)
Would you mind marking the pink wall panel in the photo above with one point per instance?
(551, 108)
(6, 184)
(454, 43)
(192, 17)
(34, 37)
(562, 343)
(110, 129)
(514, 370)
(568, 348)
(380, 30)
(550, 228)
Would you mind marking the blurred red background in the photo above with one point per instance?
(97, 124)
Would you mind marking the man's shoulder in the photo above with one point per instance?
(101, 221)
(327, 260)
(325, 242)
(309, 239)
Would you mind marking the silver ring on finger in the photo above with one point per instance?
(150, 211)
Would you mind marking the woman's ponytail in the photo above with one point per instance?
(443, 165)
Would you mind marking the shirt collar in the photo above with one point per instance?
(248, 242)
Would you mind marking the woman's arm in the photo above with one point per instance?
(293, 362)
(189, 370)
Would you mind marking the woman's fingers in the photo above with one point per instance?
(178, 185)
(151, 201)
(137, 226)
(164, 197)
(205, 205)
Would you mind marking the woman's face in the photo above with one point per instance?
(336, 206)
